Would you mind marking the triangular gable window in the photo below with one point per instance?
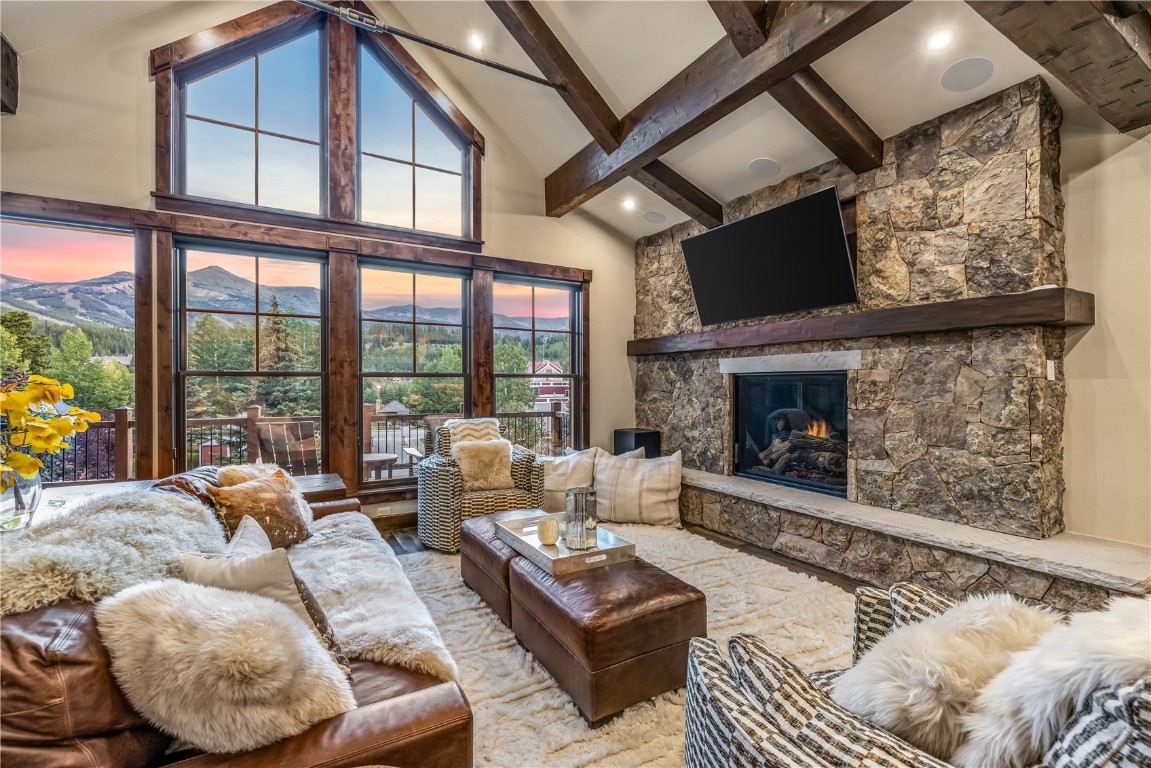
(412, 170)
(264, 116)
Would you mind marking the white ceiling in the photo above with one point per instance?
(628, 49)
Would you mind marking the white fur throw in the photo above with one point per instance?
(1020, 713)
(920, 680)
(373, 610)
(485, 465)
(102, 546)
(224, 671)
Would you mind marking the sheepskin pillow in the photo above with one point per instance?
(264, 572)
(223, 671)
(920, 680)
(270, 501)
(1019, 714)
(638, 490)
(485, 465)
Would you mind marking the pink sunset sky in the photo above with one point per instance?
(59, 255)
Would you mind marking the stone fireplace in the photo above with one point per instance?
(962, 426)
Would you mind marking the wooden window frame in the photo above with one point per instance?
(180, 337)
(340, 182)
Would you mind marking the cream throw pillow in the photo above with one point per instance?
(224, 671)
(562, 472)
(486, 465)
(635, 490)
(464, 430)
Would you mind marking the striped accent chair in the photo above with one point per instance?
(757, 709)
(442, 504)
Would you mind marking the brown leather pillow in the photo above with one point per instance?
(270, 502)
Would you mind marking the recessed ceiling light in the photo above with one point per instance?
(763, 167)
(628, 204)
(939, 39)
(475, 41)
(967, 74)
(655, 217)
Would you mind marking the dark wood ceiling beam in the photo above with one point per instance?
(681, 193)
(10, 74)
(1127, 8)
(557, 65)
(747, 22)
(1089, 46)
(830, 119)
(710, 88)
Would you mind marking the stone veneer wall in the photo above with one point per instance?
(962, 426)
(878, 558)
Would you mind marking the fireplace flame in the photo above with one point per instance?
(818, 428)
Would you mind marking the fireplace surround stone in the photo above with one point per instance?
(961, 426)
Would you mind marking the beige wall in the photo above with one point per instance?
(1107, 435)
(84, 131)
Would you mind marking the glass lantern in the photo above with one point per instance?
(579, 524)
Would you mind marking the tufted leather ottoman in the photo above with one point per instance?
(484, 560)
(611, 636)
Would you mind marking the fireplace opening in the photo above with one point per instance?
(791, 428)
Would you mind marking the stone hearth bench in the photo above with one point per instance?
(882, 546)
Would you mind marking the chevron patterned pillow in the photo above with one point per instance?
(466, 430)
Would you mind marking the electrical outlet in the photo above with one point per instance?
(386, 511)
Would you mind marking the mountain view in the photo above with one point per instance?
(110, 301)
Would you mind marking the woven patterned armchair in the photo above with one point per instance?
(443, 504)
(760, 711)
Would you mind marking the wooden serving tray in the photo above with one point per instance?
(520, 534)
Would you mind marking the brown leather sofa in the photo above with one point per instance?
(60, 706)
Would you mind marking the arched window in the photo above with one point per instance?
(293, 113)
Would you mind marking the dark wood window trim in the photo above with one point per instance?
(156, 232)
(341, 158)
(144, 247)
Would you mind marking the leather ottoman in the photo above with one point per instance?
(611, 636)
(484, 560)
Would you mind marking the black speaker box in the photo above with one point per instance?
(630, 439)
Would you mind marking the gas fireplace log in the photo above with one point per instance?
(801, 441)
(832, 463)
(773, 453)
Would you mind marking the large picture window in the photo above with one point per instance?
(535, 382)
(252, 353)
(413, 357)
(252, 130)
(68, 312)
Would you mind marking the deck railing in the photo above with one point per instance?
(105, 450)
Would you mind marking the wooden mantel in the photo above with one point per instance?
(1042, 306)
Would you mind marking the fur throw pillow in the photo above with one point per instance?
(919, 681)
(1020, 713)
(234, 474)
(270, 502)
(224, 671)
(102, 546)
(485, 465)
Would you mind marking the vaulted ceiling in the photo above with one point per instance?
(878, 79)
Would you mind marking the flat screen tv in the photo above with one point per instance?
(787, 259)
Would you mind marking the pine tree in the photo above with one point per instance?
(34, 347)
(72, 363)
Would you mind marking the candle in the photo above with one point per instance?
(548, 531)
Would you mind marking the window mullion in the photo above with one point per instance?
(340, 96)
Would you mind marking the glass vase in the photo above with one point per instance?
(19, 503)
(579, 527)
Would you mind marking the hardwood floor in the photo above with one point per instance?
(405, 541)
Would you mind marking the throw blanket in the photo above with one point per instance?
(102, 546)
(370, 604)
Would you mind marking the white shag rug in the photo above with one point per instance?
(524, 720)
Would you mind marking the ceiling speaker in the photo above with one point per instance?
(967, 74)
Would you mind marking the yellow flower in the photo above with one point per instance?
(25, 465)
(35, 423)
